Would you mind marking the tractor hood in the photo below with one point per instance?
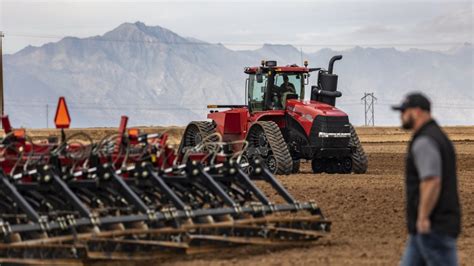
(305, 112)
(311, 109)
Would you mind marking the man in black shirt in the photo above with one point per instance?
(287, 86)
(433, 211)
(280, 92)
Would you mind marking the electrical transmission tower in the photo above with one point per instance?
(369, 101)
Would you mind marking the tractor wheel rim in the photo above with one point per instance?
(197, 138)
(347, 164)
(262, 140)
(271, 163)
(245, 160)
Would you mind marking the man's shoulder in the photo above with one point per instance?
(424, 146)
(423, 141)
(427, 157)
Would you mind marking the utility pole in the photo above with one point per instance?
(47, 115)
(2, 109)
(301, 54)
(369, 101)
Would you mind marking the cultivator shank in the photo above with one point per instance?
(131, 196)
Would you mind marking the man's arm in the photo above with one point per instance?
(428, 163)
(430, 188)
(292, 88)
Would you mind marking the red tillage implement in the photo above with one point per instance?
(131, 196)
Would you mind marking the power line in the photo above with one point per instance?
(94, 103)
(118, 108)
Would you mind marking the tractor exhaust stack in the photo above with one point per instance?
(326, 90)
(332, 61)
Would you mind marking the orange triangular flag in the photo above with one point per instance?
(62, 118)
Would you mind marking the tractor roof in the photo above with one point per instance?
(292, 68)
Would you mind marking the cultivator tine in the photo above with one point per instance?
(11, 191)
(262, 172)
(194, 170)
(106, 173)
(243, 177)
(48, 176)
(165, 189)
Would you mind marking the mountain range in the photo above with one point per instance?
(158, 77)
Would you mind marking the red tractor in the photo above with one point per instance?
(281, 127)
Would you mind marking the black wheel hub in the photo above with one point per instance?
(271, 163)
(346, 165)
(245, 160)
(262, 140)
(197, 138)
(258, 141)
(192, 137)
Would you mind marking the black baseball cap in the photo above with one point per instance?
(414, 100)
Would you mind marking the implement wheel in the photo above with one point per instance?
(195, 133)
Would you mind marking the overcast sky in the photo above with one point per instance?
(311, 25)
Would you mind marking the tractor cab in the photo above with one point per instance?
(269, 86)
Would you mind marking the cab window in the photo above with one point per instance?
(294, 80)
(256, 97)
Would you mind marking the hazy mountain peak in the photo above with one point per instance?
(26, 50)
(140, 31)
(279, 48)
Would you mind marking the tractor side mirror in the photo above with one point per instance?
(259, 77)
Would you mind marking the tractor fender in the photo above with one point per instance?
(277, 116)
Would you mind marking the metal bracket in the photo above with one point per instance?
(151, 215)
(62, 222)
(71, 220)
(43, 222)
(257, 207)
(5, 228)
(298, 205)
(272, 207)
(94, 218)
(188, 212)
(237, 208)
(169, 213)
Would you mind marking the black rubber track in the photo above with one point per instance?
(360, 162)
(195, 132)
(277, 145)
